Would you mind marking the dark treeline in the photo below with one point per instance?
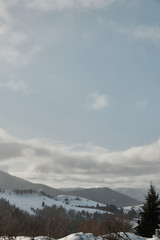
(56, 222)
(24, 191)
(30, 191)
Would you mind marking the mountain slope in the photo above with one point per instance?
(106, 196)
(10, 182)
(138, 193)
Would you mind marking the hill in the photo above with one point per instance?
(29, 202)
(105, 196)
(10, 182)
(138, 193)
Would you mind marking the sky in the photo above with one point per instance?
(80, 92)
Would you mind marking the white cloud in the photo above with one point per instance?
(49, 5)
(140, 105)
(147, 33)
(14, 49)
(58, 164)
(4, 13)
(16, 46)
(97, 101)
(15, 86)
(142, 32)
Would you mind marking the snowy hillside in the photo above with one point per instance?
(78, 201)
(29, 201)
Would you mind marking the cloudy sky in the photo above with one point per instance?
(80, 91)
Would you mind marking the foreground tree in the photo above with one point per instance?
(149, 216)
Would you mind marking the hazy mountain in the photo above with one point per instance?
(106, 196)
(10, 182)
(138, 193)
(70, 189)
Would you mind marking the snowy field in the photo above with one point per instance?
(76, 236)
(29, 201)
(80, 236)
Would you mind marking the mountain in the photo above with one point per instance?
(70, 189)
(10, 182)
(106, 196)
(138, 193)
(101, 195)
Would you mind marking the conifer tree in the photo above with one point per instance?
(149, 216)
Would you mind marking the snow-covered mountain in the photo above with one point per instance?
(32, 201)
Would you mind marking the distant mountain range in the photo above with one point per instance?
(101, 195)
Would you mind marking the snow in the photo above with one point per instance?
(27, 238)
(132, 236)
(82, 236)
(75, 236)
(29, 201)
(78, 201)
(128, 208)
(134, 223)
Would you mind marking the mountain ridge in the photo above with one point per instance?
(101, 195)
(105, 195)
(10, 182)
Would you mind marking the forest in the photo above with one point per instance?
(56, 222)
